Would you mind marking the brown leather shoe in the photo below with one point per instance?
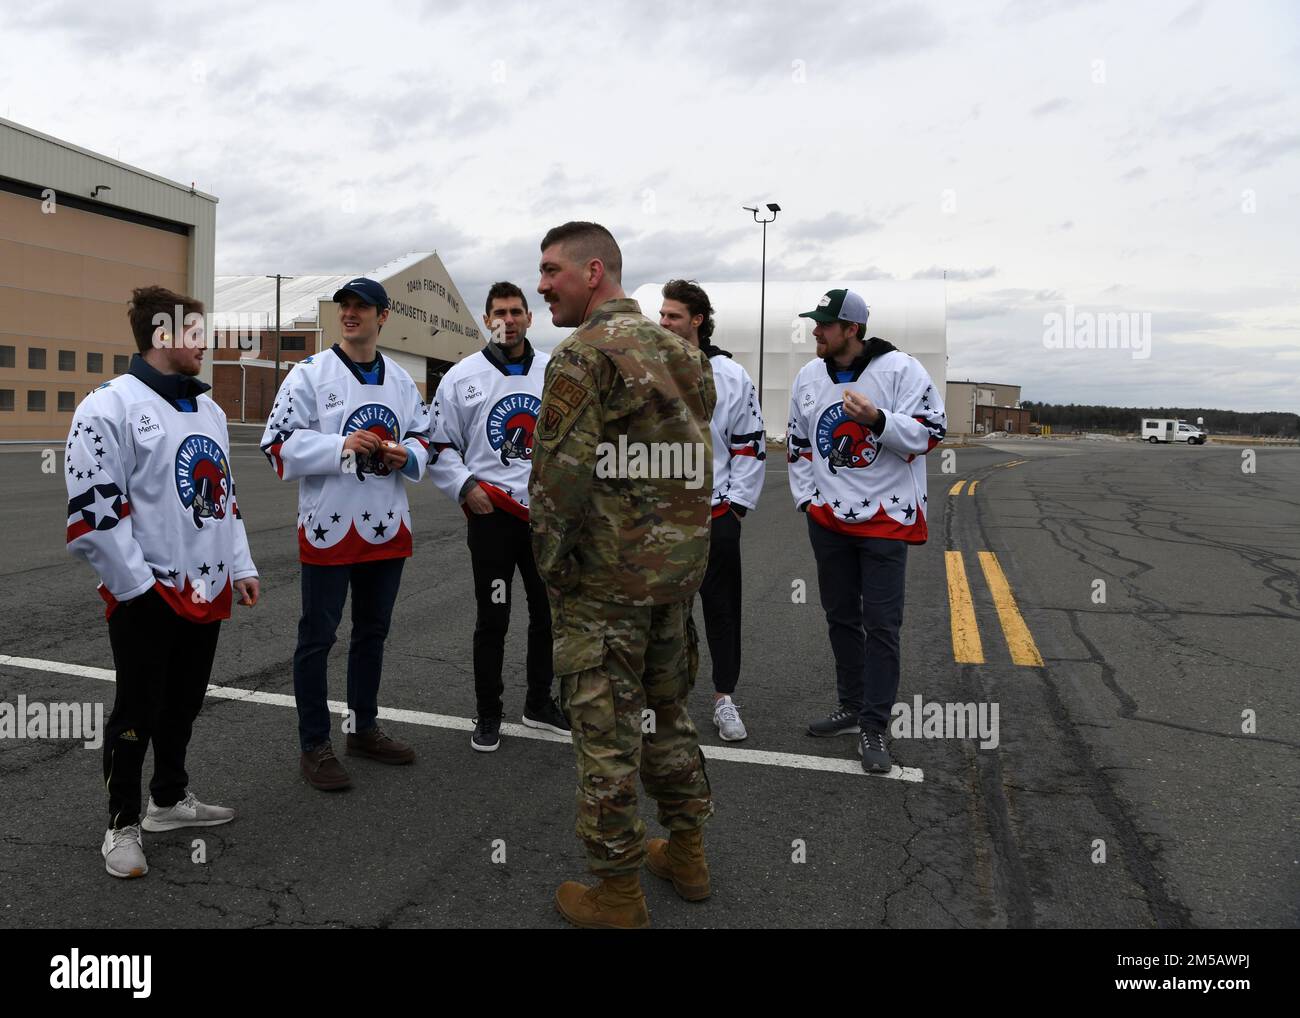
(376, 744)
(322, 769)
(681, 860)
(616, 903)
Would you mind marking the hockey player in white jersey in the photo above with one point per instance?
(484, 414)
(152, 508)
(863, 414)
(349, 425)
(739, 458)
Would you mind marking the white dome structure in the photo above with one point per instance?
(911, 314)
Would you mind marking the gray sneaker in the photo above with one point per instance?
(875, 757)
(189, 812)
(727, 720)
(123, 852)
(840, 721)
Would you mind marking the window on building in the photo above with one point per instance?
(67, 402)
(6, 356)
(121, 364)
(67, 360)
(36, 401)
(293, 342)
(36, 358)
(6, 399)
(95, 363)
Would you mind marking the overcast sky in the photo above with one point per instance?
(1114, 157)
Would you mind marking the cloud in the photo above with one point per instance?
(1250, 150)
(1137, 173)
(1051, 106)
(1190, 16)
(955, 275)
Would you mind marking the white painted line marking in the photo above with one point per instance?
(417, 717)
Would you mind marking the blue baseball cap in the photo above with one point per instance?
(367, 289)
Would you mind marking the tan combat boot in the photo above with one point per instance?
(616, 903)
(681, 860)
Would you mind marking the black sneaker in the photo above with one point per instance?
(840, 721)
(487, 734)
(875, 757)
(548, 717)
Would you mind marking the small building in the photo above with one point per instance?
(78, 232)
(429, 328)
(977, 408)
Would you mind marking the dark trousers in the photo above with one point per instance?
(498, 544)
(163, 664)
(720, 595)
(324, 590)
(861, 580)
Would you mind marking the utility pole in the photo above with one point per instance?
(277, 277)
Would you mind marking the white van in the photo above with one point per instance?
(1167, 429)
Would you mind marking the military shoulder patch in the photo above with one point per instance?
(562, 404)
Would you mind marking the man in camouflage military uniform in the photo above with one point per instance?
(620, 491)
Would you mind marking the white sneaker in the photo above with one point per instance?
(123, 852)
(189, 812)
(727, 720)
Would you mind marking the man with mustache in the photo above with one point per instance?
(622, 555)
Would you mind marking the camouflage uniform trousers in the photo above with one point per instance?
(614, 662)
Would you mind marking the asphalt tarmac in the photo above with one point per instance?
(1122, 792)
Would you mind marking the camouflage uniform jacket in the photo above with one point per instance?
(623, 462)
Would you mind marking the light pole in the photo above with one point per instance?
(773, 208)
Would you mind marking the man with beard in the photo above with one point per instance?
(863, 414)
(151, 507)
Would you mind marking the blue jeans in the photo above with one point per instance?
(324, 589)
(861, 581)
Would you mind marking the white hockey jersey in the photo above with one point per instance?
(484, 415)
(856, 482)
(151, 495)
(350, 508)
(739, 444)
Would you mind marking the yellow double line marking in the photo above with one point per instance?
(956, 488)
(967, 647)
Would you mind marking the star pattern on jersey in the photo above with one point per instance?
(204, 569)
(893, 499)
(320, 532)
(909, 511)
(221, 567)
(390, 514)
(334, 518)
(365, 516)
(379, 529)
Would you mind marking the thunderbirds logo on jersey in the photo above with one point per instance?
(380, 422)
(202, 478)
(510, 426)
(843, 441)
